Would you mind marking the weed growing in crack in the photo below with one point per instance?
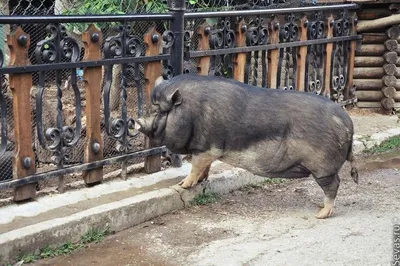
(92, 236)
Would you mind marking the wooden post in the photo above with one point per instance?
(302, 56)
(203, 66)
(152, 70)
(328, 58)
(239, 60)
(92, 39)
(20, 84)
(273, 55)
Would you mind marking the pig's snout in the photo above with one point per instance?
(138, 124)
(142, 126)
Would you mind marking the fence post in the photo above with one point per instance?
(239, 60)
(152, 70)
(21, 84)
(203, 66)
(177, 9)
(273, 55)
(349, 92)
(328, 58)
(302, 56)
(92, 39)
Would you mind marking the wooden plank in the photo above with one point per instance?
(352, 53)
(302, 56)
(371, 50)
(373, 13)
(20, 85)
(152, 70)
(374, 105)
(93, 150)
(368, 73)
(273, 55)
(369, 61)
(373, 38)
(203, 66)
(377, 24)
(368, 84)
(328, 57)
(375, 96)
(239, 60)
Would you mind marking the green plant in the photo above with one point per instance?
(387, 145)
(92, 236)
(205, 198)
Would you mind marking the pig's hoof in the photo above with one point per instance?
(324, 213)
(187, 183)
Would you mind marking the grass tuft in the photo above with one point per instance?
(205, 198)
(92, 236)
(387, 145)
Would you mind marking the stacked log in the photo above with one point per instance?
(376, 66)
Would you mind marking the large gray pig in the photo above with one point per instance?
(269, 132)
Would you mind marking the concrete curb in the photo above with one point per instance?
(363, 142)
(117, 215)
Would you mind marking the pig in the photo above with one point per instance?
(268, 132)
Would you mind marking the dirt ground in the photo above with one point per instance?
(368, 122)
(269, 225)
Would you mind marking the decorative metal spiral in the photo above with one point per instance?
(315, 55)
(58, 47)
(187, 42)
(220, 38)
(257, 34)
(122, 45)
(339, 71)
(288, 56)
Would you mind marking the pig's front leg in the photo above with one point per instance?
(201, 164)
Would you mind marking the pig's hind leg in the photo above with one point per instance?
(330, 186)
(201, 164)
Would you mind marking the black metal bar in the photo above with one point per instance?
(6, 19)
(78, 168)
(56, 66)
(236, 50)
(244, 13)
(177, 9)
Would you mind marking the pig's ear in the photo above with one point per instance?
(175, 98)
(158, 81)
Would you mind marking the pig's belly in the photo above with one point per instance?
(267, 159)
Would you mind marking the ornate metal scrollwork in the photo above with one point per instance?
(339, 70)
(56, 48)
(223, 37)
(168, 40)
(257, 34)
(122, 45)
(288, 56)
(3, 110)
(187, 42)
(315, 55)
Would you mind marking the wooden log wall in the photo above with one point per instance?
(377, 64)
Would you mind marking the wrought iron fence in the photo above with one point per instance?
(70, 95)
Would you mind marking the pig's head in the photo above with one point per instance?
(164, 101)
